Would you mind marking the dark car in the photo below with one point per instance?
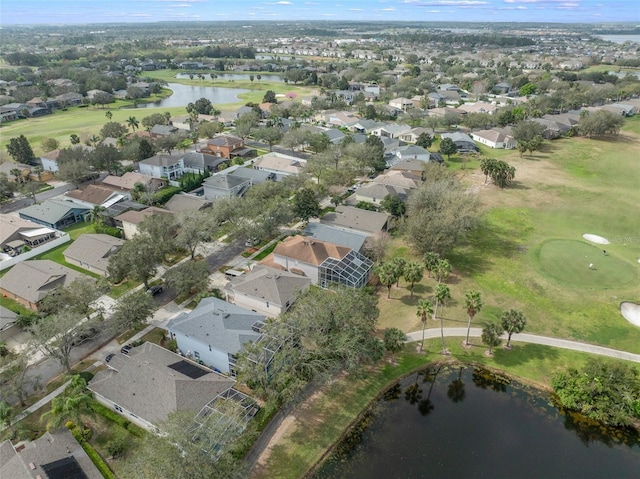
(125, 349)
(153, 290)
(109, 357)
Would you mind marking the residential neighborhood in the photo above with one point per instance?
(194, 275)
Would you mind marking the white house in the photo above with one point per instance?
(495, 138)
(214, 332)
(162, 166)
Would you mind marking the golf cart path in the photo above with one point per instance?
(530, 338)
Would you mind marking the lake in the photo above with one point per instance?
(620, 38)
(225, 77)
(461, 422)
(185, 94)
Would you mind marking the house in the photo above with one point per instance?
(18, 234)
(374, 193)
(391, 130)
(356, 219)
(280, 165)
(95, 195)
(463, 142)
(225, 186)
(186, 202)
(162, 166)
(495, 138)
(413, 134)
(266, 290)
(54, 455)
(225, 146)
(126, 182)
(322, 262)
(407, 179)
(150, 382)
(69, 99)
(92, 252)
(56, 214)
(30, 281)
(349, 239)
(552, 128)
(129, 220)
(479, 107)
(401, 103)
(365, 126)
(502, 88)
(412, 152)
(8, 326)
(200, 163)
(215, 332)
(160, 131)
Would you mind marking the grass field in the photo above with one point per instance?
(529, 252)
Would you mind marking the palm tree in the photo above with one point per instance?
(94, 140)
(413, 273)
(425, 308)
(430, 261)
(109, 115)
(442, 293)
(491, 335)
(456, 391)
(133, 123)
(17, 172)
(70, 406)
(512, 321)
(473, 304)
(442, 270)
(97, 214)
(387, 274)
(399, 264)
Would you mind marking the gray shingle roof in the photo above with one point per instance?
(51, 211)
(142, 383)
(34, 279)
(348, 239)
(215, 322)
(348, 217)
(93, 249)
(267, 284)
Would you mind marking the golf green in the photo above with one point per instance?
(568, 261)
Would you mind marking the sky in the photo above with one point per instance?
(106, 11)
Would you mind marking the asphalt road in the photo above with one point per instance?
(224, 256)
(20, 203)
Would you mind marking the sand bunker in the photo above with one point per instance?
(595, 239)
(631, 312)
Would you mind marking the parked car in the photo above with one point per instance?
(153, 290)
(109, 357)
(125, 349)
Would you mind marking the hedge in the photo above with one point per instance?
(117, 418)
(160, 197)
(92, 453)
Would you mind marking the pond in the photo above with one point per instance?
(463, 422)
(185, 94)
(226, 77)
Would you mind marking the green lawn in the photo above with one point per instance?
(529, 252)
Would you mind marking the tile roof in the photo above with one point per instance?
(309, 250)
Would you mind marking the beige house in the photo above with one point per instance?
(280, 164)
(266, 290)
(30, 281)
(129, 220)
(92, 252)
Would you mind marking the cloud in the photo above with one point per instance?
(445, 3)
(355, 9)
(284, 3)
(180, 5)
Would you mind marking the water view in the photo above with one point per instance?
(469, 423)
(621, 38)
(185, 94)
(225, 77)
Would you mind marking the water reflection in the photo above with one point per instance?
(185, 94)
(477, 423)
(225, 77)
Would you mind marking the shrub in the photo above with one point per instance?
(117, 418)
(117, 446)
(160, 197)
